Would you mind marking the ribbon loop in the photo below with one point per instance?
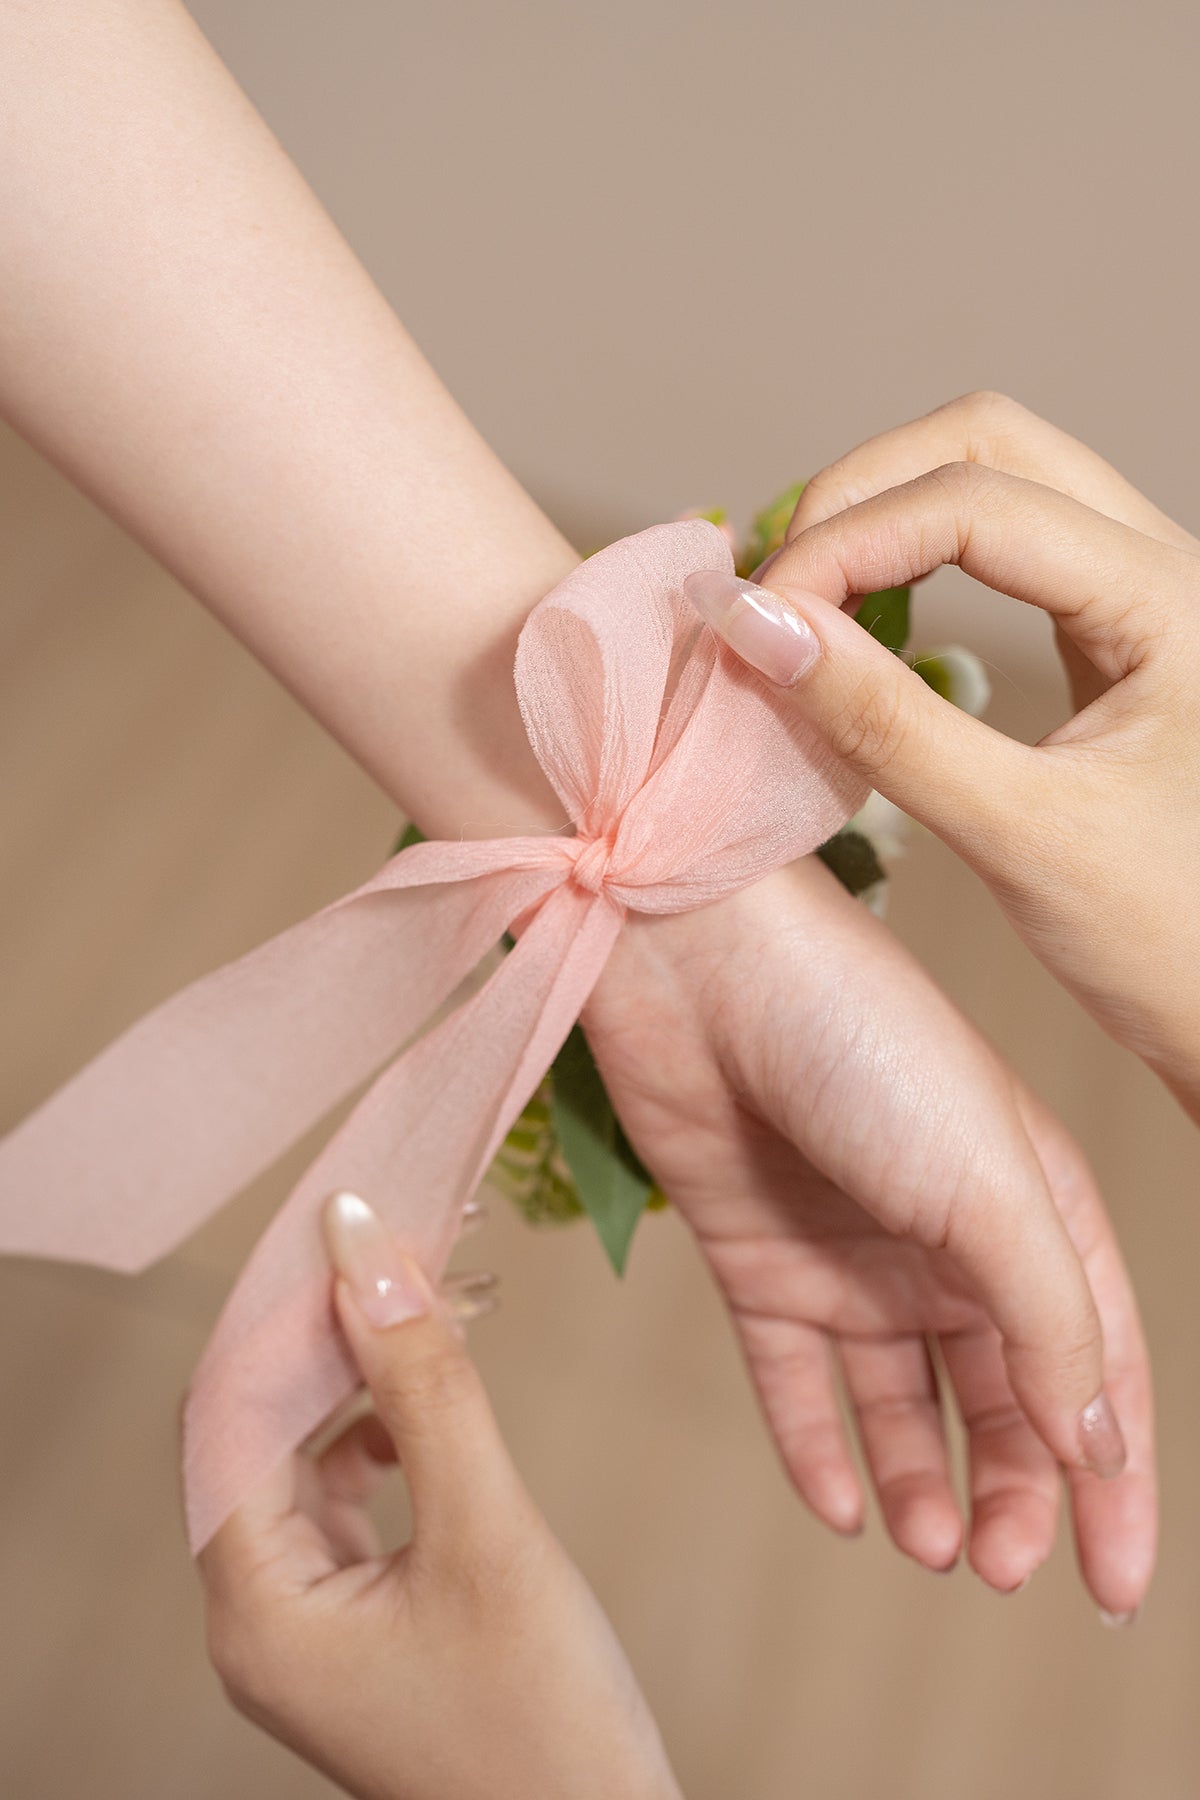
(684, 780)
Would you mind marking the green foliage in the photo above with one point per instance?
(610, 1181)
(530, 1168)
(767, 529)
(851, 857)
(885, 616)
(567, 1154)
(936, 674)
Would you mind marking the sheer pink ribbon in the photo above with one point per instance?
(685, 780)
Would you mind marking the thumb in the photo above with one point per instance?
(960, 778)
(426, 1389)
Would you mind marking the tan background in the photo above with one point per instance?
(665, 255)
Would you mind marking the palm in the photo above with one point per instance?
(773, 1057)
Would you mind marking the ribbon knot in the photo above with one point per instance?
(656, 741)
(592, 864)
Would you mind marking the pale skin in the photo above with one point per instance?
(473, 1661)
(1083, 837)
(185, 333)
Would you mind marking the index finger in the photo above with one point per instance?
(1107, 584)
(999, 433)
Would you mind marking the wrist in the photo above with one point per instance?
(459, 762)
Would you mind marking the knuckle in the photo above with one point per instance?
(436, 1386)
(824, 495)
(988, 409)
(870, 731)
(962, 482)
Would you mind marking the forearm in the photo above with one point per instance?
(186, 334)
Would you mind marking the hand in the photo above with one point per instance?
(863, 1174)
(475, 1661)
(1084, 838)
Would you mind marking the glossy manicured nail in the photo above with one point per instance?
(1101, 1446)
(755, 624)
(470, 1295)
(474, 1217)
(387, 1285)
(1116, 1621)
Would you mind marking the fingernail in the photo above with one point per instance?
(755, 623)
(474, 1217)
(387, 1285)
(1116, 1621)
(1101, 1446)
(469, 1296)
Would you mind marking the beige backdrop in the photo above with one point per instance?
(665, 255)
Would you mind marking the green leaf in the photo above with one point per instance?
(530, 1168)
(851, 856)
(408, 837)
(885, 616)
(612, 1185)
(768, 527)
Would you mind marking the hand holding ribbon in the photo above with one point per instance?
(685, 779)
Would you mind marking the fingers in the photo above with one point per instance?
(1109, 587)
(1024, 1268)
(1116, 1522)
(427, 1393)
(945, 769)
(1013, 1478)
(991, 429)
(792, 1369)
(354, 1465)
(1101, 579)
(893, 1387)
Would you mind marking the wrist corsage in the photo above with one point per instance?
(567, 1155)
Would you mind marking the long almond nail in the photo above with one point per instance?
(755, 623)
(1101, 1445)
(474, 1218)
(471, 1295)
(387, 1285)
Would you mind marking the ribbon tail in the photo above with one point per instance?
(193, 1101)
(415, 1147)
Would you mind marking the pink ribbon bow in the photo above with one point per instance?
(685, 780)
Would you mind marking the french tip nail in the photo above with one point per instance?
(1116, 1621)
(1101, 1444)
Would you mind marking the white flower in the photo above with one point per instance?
(882, 822)
(958, 675)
